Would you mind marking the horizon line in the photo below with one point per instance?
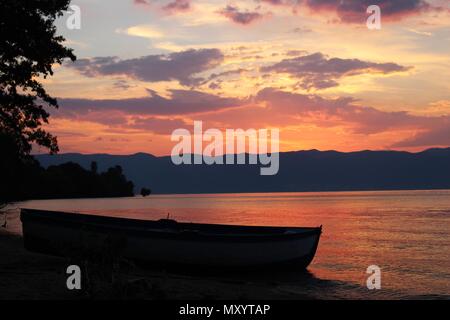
(280, 152)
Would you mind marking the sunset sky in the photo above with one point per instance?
(309, 67)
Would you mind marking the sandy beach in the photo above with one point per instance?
(27, 275)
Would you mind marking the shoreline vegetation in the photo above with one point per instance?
(65, 181)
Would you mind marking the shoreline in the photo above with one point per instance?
(310, 192)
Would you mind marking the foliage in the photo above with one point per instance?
(29, 48)
(70, 180)
(145, 192)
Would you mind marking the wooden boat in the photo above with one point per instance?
(167, 241)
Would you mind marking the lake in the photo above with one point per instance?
(405, 233)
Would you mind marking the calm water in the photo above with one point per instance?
(405, 233)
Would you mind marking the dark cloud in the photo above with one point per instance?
(181, 66)
(316, 82)
(216, 85)
(112, 118)
(171, 7)
(435, 136)
(121, 84)
(178, 6)
(154, 113)
(228, 73)
(157, 125)
(180, 102)
(318, 71)
(240, 17)
(354, 11)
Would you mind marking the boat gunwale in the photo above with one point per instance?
(181, 231)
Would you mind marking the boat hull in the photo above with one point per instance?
(160, 242)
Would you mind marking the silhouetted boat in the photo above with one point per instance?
(168, 241)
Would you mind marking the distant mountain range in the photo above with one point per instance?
(299, 171)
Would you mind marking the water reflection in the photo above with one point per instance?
(406, 233)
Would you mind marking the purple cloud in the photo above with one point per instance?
(178, 6)
(438, 135)
(342, 111)
(181, 66)
(122, 84)
(318, 71)
(240, 17)
(269, 106)
(180, 102)
(354, 11)
(172, 7)
(157, 125)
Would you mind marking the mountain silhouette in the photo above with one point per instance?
(311, 170)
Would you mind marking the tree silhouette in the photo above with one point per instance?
(145, 192)
(94, 167)
(29, 47)
(70, 180)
